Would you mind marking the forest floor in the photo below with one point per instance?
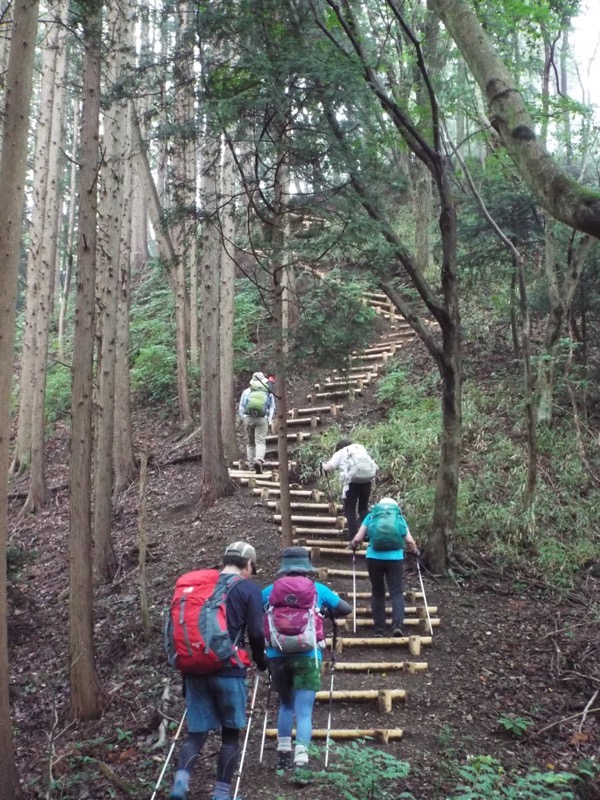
(508, 647)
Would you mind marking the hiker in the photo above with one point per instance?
(387, 534)
(357, 470)
(294, 606)
(214, 670)
(256, 410)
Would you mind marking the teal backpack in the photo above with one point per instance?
(258, 400)
(387, 529)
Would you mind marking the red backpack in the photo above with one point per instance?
(292, 622)
(196, 636)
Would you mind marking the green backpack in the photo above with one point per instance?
(257, 402)
(387, 529)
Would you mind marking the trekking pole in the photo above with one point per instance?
(354, 588)
(163, 770)
(333, 646)
(240, 768)
(424, 598)
(264, 733)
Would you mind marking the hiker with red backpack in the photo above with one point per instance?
(211, 614)
(357, 471)
(293, 623)
(256, 410)
(387, 533)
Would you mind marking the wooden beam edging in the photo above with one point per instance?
(378, 666)
(414, 642)
(380, 735)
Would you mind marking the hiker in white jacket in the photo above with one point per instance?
(357, 470)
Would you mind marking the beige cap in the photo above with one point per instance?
(243, 550)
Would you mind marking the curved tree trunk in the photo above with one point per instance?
(564, 198)
(13, 167)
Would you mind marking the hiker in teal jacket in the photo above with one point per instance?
(386, 565)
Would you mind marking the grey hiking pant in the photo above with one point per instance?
(256, 429)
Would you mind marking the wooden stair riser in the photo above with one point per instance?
(414, 643)
(384, 697)
(336, 522)
(379, 735)
(377, 666)
(333, 409)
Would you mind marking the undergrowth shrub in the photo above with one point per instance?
(556, 537)
(484, 778)
(58, 392)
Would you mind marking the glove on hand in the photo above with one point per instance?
(262, 665)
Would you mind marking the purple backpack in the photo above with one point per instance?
(292, 622)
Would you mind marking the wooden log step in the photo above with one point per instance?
(377, 666)
(291, 437)
(364, 623)
(333, 409)
(389, 347)
(268, 492)
(324, 543)
(312, 421)
(379, 735)
(358, 368)
(374, 357)
(414, 642)
(408, 593)
(334, 521)
(256, 481)
(407, 609)
(371, 293)
(354, 383)
(325, 573)
(358, 376)
(248, 473)
(384, 697)
(336, 551)
(334, 393)
(329, 508)
(299, 531)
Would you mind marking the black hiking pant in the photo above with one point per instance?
(356, 506)
(391, 572)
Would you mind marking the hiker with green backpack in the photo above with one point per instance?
(256, 410)
(387, 533)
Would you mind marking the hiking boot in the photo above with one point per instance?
(379, 633)
(397, 632)
(284, 760)
(258, 466)
(180, 788)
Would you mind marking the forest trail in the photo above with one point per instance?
(366, 669)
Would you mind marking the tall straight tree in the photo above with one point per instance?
(107, 281)
(40, 266)
(87, 695)
(13, 167)
(215, 481)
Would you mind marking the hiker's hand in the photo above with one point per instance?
(262, 665)
(354, 546)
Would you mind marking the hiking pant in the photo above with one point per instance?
(391, 572)
(256, 429)
(226, 760)
(356, 506)
(296, 680)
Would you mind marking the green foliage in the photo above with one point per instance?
(333, 322)
(360, 772)
(484, 778)
(153, 374)
(515, 725)
(58, 393)
(16, 561)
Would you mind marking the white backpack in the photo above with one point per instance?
(361, 467)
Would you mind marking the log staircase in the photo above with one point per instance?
(318, 525)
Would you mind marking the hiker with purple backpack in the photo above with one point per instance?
(294, 605)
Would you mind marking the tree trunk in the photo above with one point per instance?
(66, 288)
(564, 198)
(227, 306)
(46, 268)
(216, 481)
(87, 696)
(124, 463)
(530, 483)
(13, 168)
(107, 282)
(22, 452)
